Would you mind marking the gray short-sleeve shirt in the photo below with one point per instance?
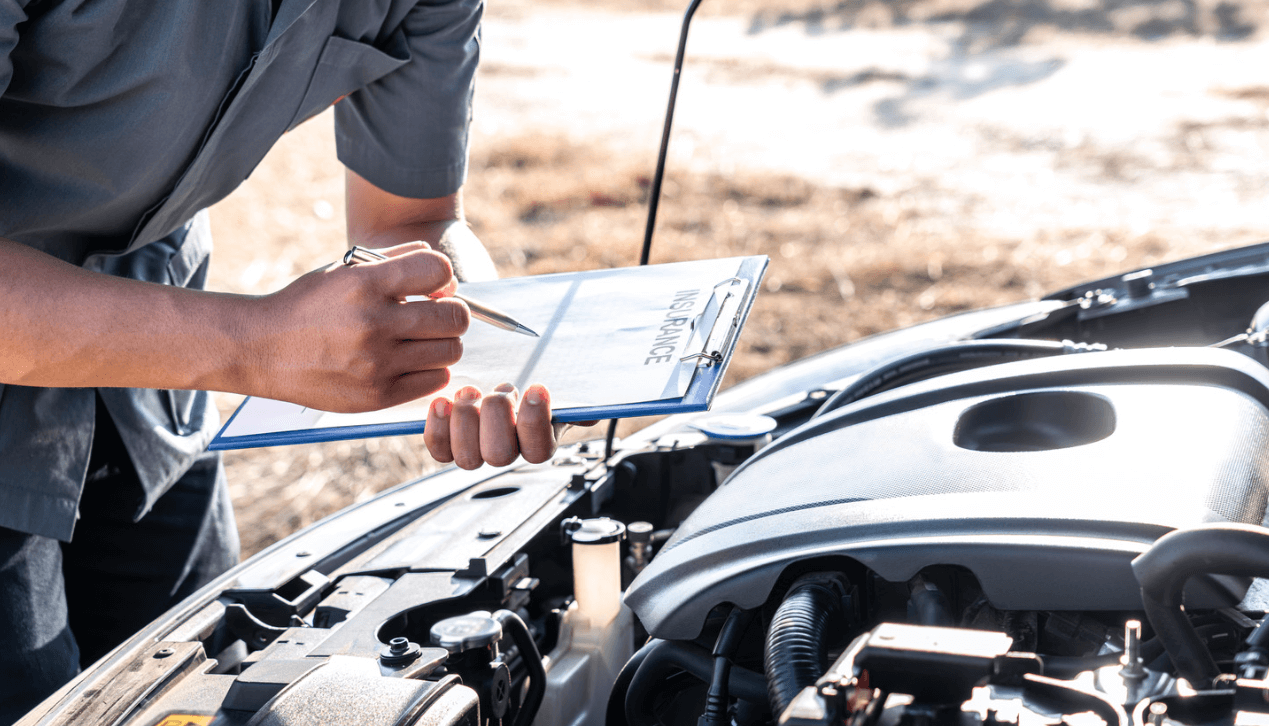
(121, 119)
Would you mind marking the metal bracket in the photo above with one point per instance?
(726, 311)
(714, 357)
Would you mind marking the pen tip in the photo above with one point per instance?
(526, 331)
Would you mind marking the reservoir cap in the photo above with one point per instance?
(464, 632)
(735, 427)
(601, 530)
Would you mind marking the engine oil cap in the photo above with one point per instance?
(735, 427)
(601, 530)
(465, 632)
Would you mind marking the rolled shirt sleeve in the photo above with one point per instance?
(12, 12)
(407, 132)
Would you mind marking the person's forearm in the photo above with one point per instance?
(377, 218)
(337, 339)
(64, 326)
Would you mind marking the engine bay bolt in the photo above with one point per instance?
(1158, 710)
(400, 651)
(1138, 283)
(164, 653)
(639, 534)
(1132, 643)
(1134, 671)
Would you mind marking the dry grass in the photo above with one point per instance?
(845, 262)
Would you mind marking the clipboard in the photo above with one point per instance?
(699, 363)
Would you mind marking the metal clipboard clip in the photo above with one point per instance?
(714, 330)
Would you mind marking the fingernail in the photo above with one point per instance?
(535, 396)
(469, 394)
(441, 408)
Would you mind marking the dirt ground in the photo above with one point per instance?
(911, 191)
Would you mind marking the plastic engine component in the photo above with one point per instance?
(1044, 478)
(349, 690)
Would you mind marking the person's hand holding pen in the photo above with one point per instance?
(347, 341)
(479, 310)
(468, 430)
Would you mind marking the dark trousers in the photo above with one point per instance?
(65, 605)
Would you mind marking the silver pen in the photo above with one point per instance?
(479, 310)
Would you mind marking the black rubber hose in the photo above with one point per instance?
(1163, 570)
(615, 715)
(667, 657)
(960, 356)
(927, 605)
(717, 698)
(797, 642)
(512, 625)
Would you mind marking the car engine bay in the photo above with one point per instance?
(1039, 514)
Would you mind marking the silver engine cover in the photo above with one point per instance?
(1044, 478)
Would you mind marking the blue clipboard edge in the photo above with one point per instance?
(699, 393)
(753, 271)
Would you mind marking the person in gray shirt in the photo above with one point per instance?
(120, 120)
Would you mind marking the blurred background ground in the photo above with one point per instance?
(898, 160)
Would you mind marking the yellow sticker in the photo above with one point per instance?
(184, 719)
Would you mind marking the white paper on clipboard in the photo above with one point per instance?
(608, 338)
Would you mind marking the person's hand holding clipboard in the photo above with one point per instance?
(476, 428)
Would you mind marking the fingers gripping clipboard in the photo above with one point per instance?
(614, 343)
